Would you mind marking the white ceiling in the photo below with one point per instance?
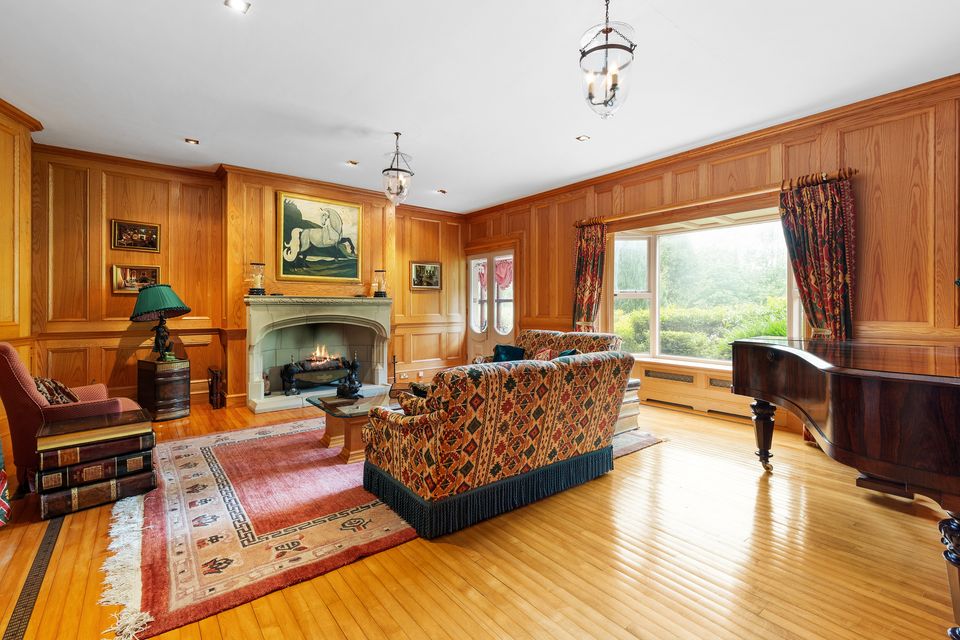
(486, 93)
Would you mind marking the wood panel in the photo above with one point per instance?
(15, 221)
(643, 194)
(65, 229)
(895, 238)
(69, 365)
(739, 173)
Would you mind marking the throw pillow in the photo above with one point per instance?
(546, 354)
(568, 352)
(421, 389)
(507, 353)
(55, 392)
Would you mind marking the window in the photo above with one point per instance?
(688, 294)
(503, 294)
(478, 294)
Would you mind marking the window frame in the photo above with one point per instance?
(795, 317)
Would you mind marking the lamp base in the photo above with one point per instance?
(379, 294)
(254, 291)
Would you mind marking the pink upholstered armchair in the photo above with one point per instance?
(27, 410)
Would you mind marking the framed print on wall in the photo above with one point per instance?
(425, 275)
(129, 279)
(127, 235)
(317, 239)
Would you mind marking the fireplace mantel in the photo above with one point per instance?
(266, 314)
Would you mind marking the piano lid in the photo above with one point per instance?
(939, 362)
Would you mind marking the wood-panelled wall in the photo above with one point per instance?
(82, 329)
(427, 326)
(15, 150)
(430, 325)
(905, 145)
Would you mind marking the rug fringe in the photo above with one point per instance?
(122, 569)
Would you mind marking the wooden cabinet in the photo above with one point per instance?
(163, 388)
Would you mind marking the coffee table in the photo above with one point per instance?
(345, 422)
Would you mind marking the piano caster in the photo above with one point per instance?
(765, 460)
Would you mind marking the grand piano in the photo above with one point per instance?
(890, 411)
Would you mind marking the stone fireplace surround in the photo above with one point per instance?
(281, 326)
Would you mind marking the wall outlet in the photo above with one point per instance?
(419, 374)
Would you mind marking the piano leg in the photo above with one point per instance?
(763, 426)
(950, 536)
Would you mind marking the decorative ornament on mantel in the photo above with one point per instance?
(606, 51)
(397, 176)
(256, 278)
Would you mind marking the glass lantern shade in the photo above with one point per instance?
(397, 178)
(606, 52)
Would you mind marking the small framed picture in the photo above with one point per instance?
(425, 275)
(134, 236)
(129, 278)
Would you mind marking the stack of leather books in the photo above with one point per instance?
(85, 462)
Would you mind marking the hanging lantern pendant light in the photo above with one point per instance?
(396, 177)
(606, 51)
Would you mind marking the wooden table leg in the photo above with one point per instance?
(353, 447)
(333, 434)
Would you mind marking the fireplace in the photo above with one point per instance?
(319, 335)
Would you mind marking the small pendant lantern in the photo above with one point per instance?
(396, 177)
(606, 51)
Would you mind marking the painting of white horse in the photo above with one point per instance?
(317, 239)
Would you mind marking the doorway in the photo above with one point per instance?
(492, 309)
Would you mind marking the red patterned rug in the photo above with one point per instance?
(240, 514)
(235, 516)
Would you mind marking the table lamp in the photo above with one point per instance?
(157, 302)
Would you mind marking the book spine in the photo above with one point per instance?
(56, 458)
(60, 503)
(87, 472)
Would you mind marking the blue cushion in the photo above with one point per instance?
(507, 353)
(569, 352)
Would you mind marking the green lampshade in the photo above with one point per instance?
(155, 300)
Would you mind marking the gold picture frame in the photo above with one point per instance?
(318, 239)
(128, 279)
(426, 276)
(128, 235)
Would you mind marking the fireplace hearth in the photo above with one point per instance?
(300, 347)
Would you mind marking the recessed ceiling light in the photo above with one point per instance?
(442, 192)
(237, 5)
(583, 138)
(191, 141)
(353, 163)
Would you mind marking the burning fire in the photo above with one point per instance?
(320, 354)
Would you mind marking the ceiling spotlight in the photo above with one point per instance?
(442, 192)
(583, 138)
(191, 141)
(237, 5)
(353, 163)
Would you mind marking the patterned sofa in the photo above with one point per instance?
(495, 436)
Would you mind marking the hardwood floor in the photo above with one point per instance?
(687, 539)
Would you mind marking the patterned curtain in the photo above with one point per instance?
(591, 247)
(818, 223)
